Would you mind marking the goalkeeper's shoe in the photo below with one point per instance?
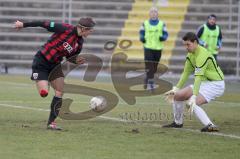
(210, 128)
(173, 125)
(53, 126)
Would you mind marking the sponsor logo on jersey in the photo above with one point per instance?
(197, 70)
(67, 47)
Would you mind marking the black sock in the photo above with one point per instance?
(55, 108)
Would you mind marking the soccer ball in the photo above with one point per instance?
(98, 103)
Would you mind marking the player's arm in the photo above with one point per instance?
(201, 66)
(76, 60)
(219, 42)
(49, 25)
(188, 69)
(164, 34)
(142, 33)
(199, 34)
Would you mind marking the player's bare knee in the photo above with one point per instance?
(178, 97)
(43, 93)
(58, 93)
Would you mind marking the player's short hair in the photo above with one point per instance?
(190, 36)
(212, 16)
(86, 22)
(153, 9)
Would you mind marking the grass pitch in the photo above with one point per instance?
(128, 131)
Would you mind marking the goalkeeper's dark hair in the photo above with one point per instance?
(190, 36)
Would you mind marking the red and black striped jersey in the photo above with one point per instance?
(64, 41)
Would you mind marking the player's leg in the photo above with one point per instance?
(199, 112)
(178, 107)
(56, 103)
(147, 59)
(208, 91)
(156, 58)
(202, 115)
(40, 74)
(43, 87)
(149, 68)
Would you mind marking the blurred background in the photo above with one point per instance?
(118, 21)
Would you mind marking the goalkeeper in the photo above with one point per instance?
(208, 84)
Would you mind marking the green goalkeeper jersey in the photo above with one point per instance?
(204, 66)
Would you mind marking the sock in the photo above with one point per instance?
(178, 112)
(201, 115)
(55, 108)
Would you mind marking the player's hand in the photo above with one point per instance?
(18, 25)
(169, 95)
(80, 60)
(206, 45)
(191, 103)
(218, 49)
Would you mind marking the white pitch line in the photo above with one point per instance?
(23, 107)
(232, 104)
(17, 84)
(158, 125)
(81, 102)
(126, 121)
(214, 133)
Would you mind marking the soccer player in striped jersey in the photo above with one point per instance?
(66, 41)
(208, 84)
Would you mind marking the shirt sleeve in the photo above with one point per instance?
(199, 34)
(49, 25)
(142, 33)
(164, 33)
(201, 66)
(219, 42)
(188, 69)
(200, 31)
(196, 86)
(72, 59)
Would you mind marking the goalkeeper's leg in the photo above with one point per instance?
(202, 115)
(178, 106)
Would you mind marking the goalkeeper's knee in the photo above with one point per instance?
(43, 93)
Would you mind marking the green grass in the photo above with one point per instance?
(23, 131)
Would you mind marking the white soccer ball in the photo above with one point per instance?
(98, 103)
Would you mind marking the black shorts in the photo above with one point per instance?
(152, 55)
(45, 70)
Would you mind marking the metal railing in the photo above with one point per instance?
(67, 11)
(230, 15)
(238, 44)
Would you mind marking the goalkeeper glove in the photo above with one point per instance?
(169, 95)
(191, 103)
